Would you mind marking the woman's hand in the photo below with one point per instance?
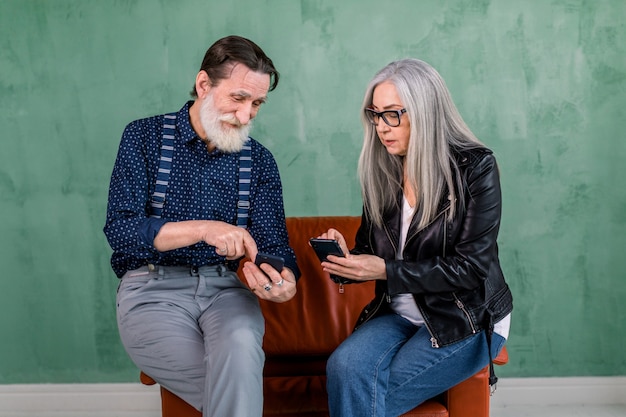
(356, 267)
(335, 235)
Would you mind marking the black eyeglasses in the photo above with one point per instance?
(391, 117)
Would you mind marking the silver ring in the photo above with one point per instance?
(280, 283)
(267, 287)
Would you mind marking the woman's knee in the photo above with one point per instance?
(333, 364)
(343, 361)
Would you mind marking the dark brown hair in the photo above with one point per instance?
(231, 50)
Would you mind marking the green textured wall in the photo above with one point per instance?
(542, 83)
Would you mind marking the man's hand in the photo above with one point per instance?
(268, 284)
(230, 241)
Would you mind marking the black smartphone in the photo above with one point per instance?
(277, 262)
(325, 247)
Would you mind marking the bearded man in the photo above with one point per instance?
(191, 194)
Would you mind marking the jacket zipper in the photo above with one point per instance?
(433, 340)
(461, 306)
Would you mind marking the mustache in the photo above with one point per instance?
(231, 119)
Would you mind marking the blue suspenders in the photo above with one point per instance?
(245, 171)
(165, 167)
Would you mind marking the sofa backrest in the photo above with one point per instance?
(318, 317)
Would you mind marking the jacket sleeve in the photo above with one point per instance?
(474, 248)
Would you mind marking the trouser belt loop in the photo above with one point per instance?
(221, 269)
(159, 270)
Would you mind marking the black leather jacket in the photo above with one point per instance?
(450, 267)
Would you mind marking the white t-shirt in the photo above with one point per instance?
(404, 304)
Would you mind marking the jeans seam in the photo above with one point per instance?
(377, 367)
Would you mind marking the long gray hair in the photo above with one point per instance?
(436, 129)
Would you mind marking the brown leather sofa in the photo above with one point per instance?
(301, 333)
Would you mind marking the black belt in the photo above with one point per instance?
(194, 270)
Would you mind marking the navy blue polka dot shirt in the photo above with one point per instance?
(203, 186)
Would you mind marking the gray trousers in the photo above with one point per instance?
(197, 333)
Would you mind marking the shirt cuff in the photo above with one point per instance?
(291, 264)
(149, 228)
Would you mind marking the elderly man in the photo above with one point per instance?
(190, 195)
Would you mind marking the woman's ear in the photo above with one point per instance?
(203, 84)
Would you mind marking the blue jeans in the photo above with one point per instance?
(388, 367)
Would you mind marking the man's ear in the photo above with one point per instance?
(203, 84)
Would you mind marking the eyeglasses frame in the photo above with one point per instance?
(381, 115)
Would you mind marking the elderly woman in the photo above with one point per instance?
(431, 215)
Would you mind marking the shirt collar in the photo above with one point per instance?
(183, 124)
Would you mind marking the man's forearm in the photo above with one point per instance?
(175, 235)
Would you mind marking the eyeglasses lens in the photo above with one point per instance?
(372, 116)
(392, 118)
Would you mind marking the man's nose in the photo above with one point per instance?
(244, 113)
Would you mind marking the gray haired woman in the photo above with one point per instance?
(432, 206)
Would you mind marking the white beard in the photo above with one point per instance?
(226, 139)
